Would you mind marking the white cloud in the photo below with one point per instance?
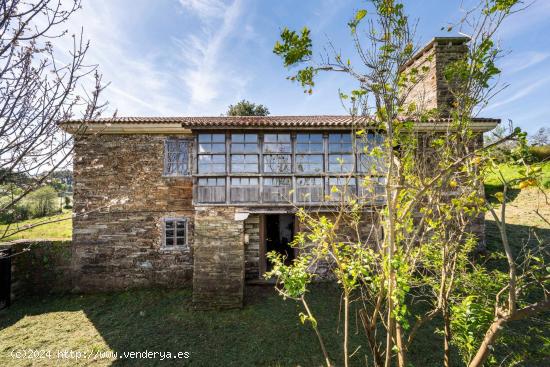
(204, 8)
(209, 71)
(521, 91)
(523, 60)
(537, 12)
(138, 84)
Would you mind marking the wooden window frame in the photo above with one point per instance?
(263, 198)
(166, 162)
(340, 152)
(297, 188)
(244, 153)
(175, 246)
(211, 153)
(288, 154)
(293, 175)
(240, 186)
(199, 186)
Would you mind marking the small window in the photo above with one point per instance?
(211, 153)
(277, 163)
(245, 153)
(244, 189)
(372, 188)
(309, 143)
(309, 189)
(175, 233)
(309, 163)
(342, 188)
(244, 143)
(211, 190)
(340, 150)
(277, 189)
(176, 157)
(277, 143)
(367, 163)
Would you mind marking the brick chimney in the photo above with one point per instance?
(432, 91)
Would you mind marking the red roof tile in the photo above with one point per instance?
(253, 121)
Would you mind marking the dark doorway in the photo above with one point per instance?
(279, 233)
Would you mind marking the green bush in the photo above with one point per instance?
(43, 202)
(540, 153)
(17, 213)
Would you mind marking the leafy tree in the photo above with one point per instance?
(246, 108)
(541, 137)
(38, 88)
(43, 202)
(406, 240)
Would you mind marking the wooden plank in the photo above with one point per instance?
(262, 259)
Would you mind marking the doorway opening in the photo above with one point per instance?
(279, 233)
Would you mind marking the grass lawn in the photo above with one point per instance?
(57, 230)
(511, 172)
(266, 332)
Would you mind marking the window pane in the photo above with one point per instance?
(237, 138)
(277, 143)
(309, 189)
(244, 143)
(277, 148)
(176, 157)
(277, 189)
(366, 162)
(211, 190)
(345, 186)
(244, 189)
(340, 162)
(372, 188)
(277, 163)
(309, 163)
(211, 163)
(218, 138)
(244, 163)
(340, 143)
(309, 143)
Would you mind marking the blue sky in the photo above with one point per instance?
(195, 57)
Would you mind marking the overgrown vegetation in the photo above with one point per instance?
(430, 200)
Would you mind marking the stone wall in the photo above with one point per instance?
(218, 275)
(40, 267)
(432, 92)
(120, 199)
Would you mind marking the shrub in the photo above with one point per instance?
(43, 202)
(540, 153)
(67, 203)
(17, 213)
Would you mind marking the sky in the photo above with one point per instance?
(196, 57)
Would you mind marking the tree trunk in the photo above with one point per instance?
(447, 337)
(346, 329)
(490, 337)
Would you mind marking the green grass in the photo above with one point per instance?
(56, 230)
(266, 332)
(511, 172)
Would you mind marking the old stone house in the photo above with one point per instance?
(201, 200)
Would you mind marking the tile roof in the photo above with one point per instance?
(252, 121)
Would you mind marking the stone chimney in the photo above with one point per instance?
(432, 92)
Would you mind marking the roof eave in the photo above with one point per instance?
(179, 128)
